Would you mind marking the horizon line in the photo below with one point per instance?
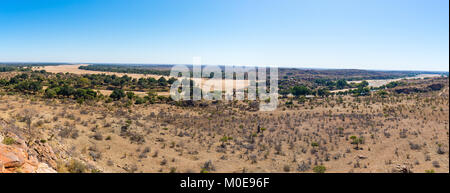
(283, 66)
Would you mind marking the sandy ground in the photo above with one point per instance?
(226, 84)
(138, 93)
(378, 83)
(74, 69)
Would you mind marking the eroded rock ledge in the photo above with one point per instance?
(17, 157)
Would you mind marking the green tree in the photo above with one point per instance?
(117, 94)
(28, 86)
(162, 81)
(340, 84)
(363, 84)
(361, 91)
(300, 90)
(323, 92)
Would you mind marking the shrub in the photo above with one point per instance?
(76, 166)
(440, 149)
(302, 167)
(98, 136)
(139, 100)
(414, 146)
(319, 169)
(8, 141)
(286, 168)
(130, 95)
(436, 164)
(225, 139)
(50, 93)
(208, 166)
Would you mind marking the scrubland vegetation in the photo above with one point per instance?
(400, 127)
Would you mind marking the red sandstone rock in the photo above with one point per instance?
(11, 156)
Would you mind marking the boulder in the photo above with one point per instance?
(27, 168)
(11, 156)
(44, 153)
(2, 168)
(44, 168)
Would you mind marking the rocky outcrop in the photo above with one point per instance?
(11, 156)
(44, 153)
(15, 158)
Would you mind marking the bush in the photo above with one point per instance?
(414, 146)
(208, 166)
(139, 100)
(286, 168)
(50, 93)
(8, 141)
(319, 169)
(130, 95)
(436, 164)
(98, 136)
(303, 167)
(76, 166)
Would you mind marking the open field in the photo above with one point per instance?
(377, 83)
(75, 70)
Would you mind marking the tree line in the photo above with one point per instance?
(81, 87)
(125, 69)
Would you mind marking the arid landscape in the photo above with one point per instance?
(82, 121)
(225, 95)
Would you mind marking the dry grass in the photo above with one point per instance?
(410, 130)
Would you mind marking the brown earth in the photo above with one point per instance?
(400, 132)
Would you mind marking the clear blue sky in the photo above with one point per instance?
(363, 34)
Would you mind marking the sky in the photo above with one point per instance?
(357, 34)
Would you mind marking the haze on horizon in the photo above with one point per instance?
(350, 34)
